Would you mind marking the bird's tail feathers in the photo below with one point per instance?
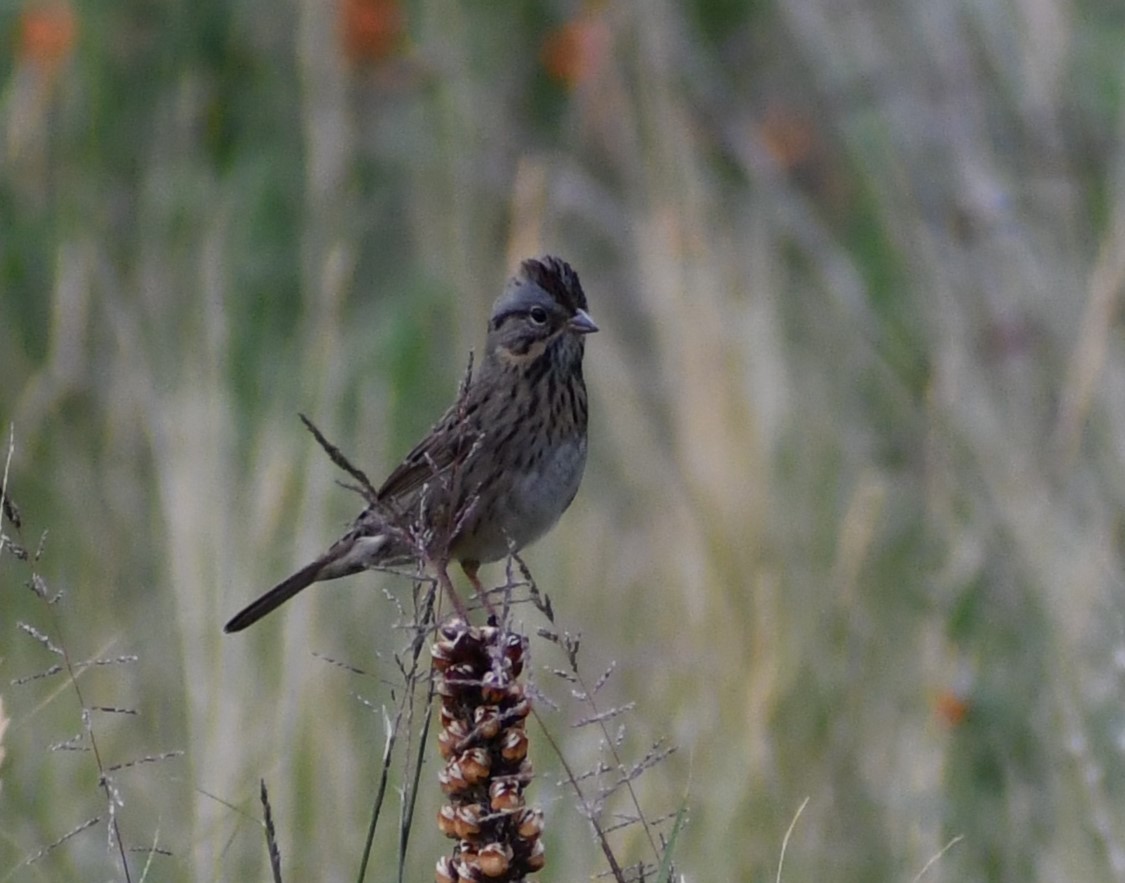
(276, 596)
(352, 554)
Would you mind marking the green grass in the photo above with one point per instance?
(857, 417)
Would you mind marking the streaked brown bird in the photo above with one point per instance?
(503, 463)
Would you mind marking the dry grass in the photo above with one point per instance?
(851, 526)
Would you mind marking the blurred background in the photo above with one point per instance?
(851, 526)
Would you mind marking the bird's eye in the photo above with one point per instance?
(538, 315)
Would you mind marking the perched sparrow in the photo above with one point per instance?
(503, 463)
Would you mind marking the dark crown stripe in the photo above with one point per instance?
(555, 276)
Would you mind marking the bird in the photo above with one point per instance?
(499, 468)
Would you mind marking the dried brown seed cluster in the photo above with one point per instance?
(483, 741)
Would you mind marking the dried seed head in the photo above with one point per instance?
(520, 710)
(484, 744)
(467, 867)
(475, 765)
(446, 820)
(513, 745)
(448, 715)
(504, 794)
(451, 736)
(493, 687)
(529, 823)
(445, 872)
(460, 680)
(467, 821)
(536, 858)
(454, 629)
(486, 722)
(495, 859)
(441, 655)
(451, 779)
(515, 646)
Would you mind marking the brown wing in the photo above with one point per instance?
(448, 442)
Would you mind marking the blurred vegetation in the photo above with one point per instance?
(851, 528)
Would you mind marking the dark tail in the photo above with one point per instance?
(276, 596)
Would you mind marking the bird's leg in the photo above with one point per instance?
(471, 568)
(441, 567)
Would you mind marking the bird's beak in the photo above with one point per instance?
(581, 323)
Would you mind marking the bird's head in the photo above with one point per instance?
(542, 310)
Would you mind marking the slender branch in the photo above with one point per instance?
(337, 457)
